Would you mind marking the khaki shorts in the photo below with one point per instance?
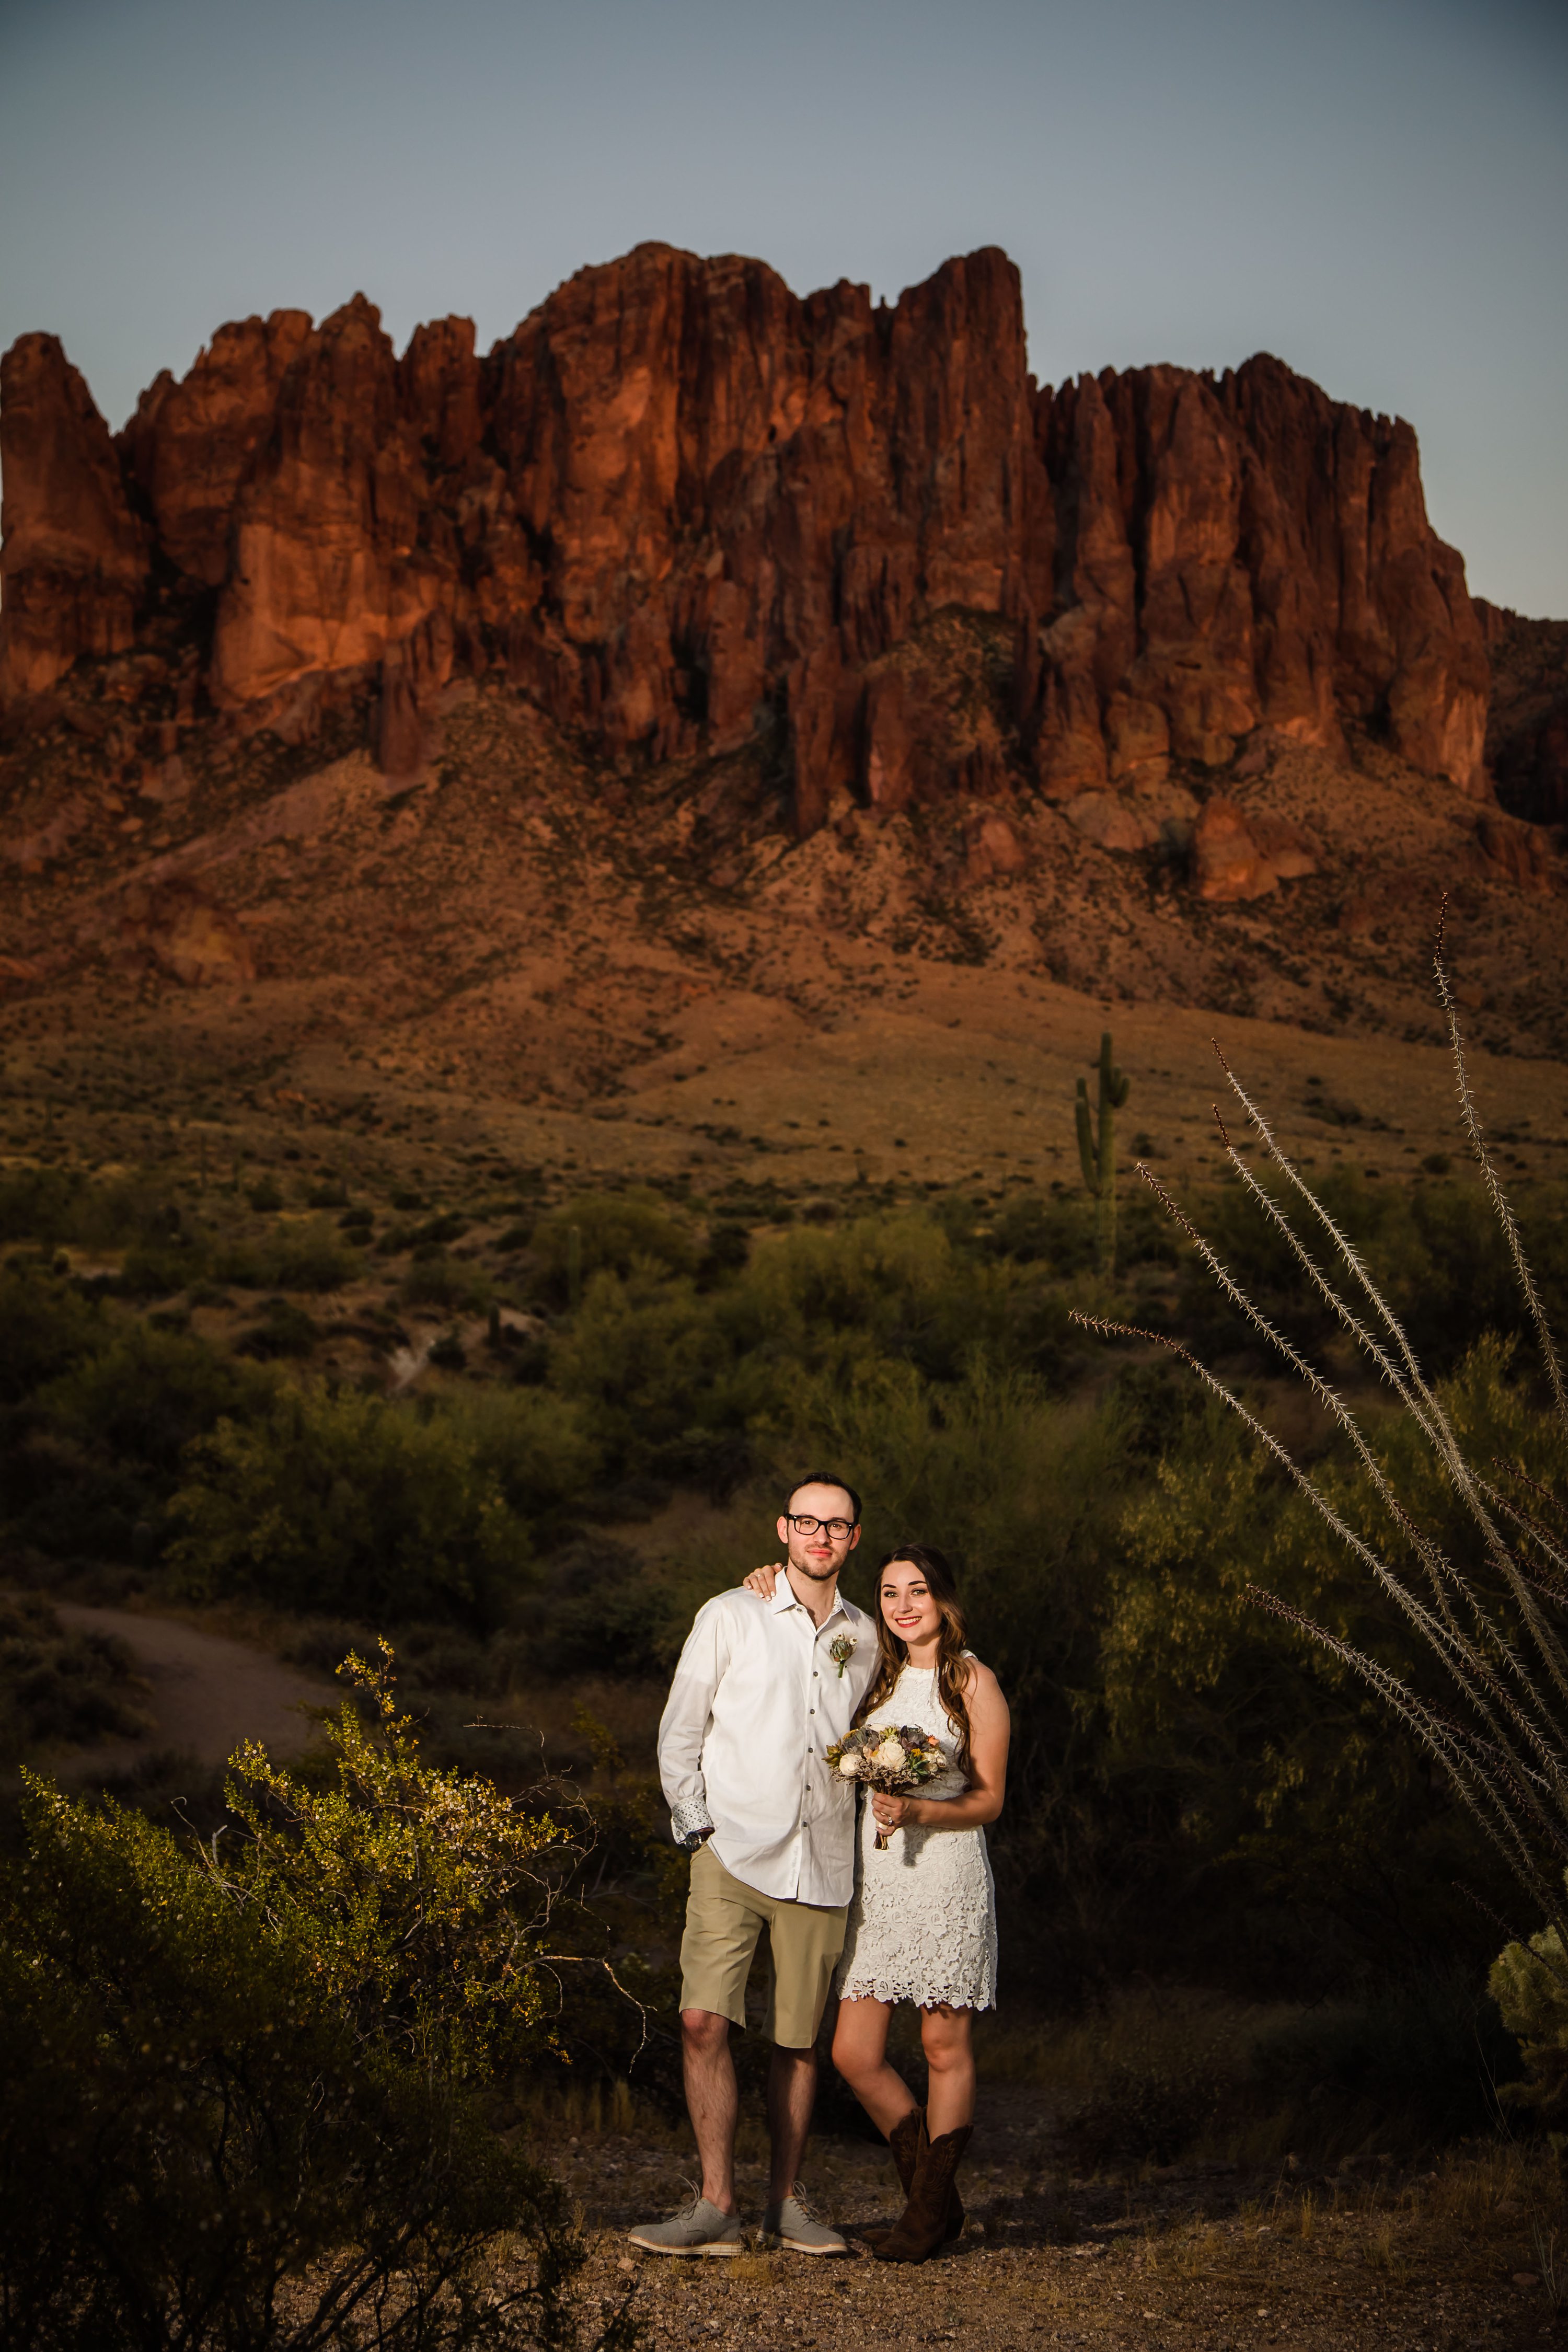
(724, 1920)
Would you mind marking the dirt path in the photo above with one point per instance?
(207, 1694)
(1208, 2257)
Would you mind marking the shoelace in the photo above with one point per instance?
(688, 2212)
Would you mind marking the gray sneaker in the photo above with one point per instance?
(699, 2228)
(794, 2226)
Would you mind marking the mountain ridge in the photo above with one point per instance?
(528, 704)
(681, 506)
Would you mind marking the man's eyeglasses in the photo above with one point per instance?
(839, 1529)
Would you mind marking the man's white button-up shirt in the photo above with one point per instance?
(756, 1702)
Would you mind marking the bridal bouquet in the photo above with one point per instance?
(894, 1758)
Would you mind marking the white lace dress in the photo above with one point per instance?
(922, 1925)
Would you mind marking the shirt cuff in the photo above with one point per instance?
(689, 1822)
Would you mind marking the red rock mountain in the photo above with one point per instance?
(686, 511)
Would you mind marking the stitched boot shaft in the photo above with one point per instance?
(905, 2143)
(922, 2227)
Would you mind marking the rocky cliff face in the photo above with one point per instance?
(73, 555)
(1236, 554)
(1526, 732)
(687, 512)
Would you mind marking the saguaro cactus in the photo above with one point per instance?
(1097, 1152)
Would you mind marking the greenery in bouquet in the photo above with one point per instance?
(894, 1758)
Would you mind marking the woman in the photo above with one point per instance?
(922, 1925)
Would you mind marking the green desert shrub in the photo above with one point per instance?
(448, 1283)
(1434, 1251)
(610, 1233)
(40, 1204)
(285, 1331)
(167, 1263)
(140, 1399)
(881, 1287)
(311, 1255)
(349, 1505)
(638, 1356)
(595, 1610)
(48, 1324)
(534, 1442)
(1529, 1984)
(1270, 1762)
(241, 2089)
(65, 1504)
(59, 1206)
(58, 1685)
(87, 1463)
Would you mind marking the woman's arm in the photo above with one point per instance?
(989, 1729)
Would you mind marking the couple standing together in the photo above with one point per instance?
(771, 1677)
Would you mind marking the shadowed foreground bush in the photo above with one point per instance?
(240, 2090)
(60, 1685)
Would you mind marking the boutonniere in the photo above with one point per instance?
(842, 1651)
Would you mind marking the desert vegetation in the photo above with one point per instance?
(520, 1427)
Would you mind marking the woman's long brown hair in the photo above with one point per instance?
(893, 1655)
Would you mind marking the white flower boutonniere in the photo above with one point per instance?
(842, 1651)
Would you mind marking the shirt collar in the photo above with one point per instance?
(784, 1598)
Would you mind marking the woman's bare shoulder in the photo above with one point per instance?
(982, 1683)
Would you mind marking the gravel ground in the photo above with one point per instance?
(1202, 2256)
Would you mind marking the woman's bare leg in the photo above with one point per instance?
(860, 2055)
(949, 2069)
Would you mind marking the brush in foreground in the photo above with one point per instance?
(1507, 1755)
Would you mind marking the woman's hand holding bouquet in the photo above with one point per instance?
(891, 1760)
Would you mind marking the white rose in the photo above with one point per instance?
(890, 1756)
(850, 1766)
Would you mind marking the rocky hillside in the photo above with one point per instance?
(695, 617)
(684, 511)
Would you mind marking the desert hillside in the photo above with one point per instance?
(715, 711)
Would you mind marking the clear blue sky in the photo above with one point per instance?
(1376, 190)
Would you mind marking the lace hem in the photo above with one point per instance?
(924, 1995)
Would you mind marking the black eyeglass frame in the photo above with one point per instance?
(807, 1525)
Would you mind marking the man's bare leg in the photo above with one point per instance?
(712, 2101)
(792, 2092)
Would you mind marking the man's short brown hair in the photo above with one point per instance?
(825, 1478)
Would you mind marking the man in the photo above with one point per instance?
(763, 1690)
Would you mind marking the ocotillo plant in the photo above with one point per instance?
(1495, 1624)
(1097, 1149)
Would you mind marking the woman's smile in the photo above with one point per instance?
(909, 1609)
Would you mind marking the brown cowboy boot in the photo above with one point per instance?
(953, 2224)
(906, 2142)
(923, 2226)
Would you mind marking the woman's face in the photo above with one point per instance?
(907, 1604)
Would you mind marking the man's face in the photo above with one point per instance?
(817, 1552)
